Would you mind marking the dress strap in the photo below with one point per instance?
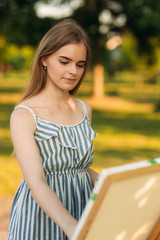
(29, 109)
(23, 106)
(83, 107)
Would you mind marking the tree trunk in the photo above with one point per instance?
(98, 81)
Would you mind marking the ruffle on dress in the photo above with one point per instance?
(66, 136)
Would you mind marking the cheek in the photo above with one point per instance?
(54, 69)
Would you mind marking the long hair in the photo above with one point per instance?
(63, 33)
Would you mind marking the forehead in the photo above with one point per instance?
(73, 51)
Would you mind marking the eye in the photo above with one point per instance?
(80, 65)
(63, 62)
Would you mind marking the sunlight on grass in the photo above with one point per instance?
(97, 169)
(11, 83)
(118, 149)
(9, 98)
(4, 133)
(126, 141)
(119, 105)
(10, 177)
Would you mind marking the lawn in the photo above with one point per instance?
(125, 120)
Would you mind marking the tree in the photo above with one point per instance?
(101, 18)
(104, 20)
(20, 24)
(99, 22)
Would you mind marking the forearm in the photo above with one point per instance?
(53, 207)
(93, 175)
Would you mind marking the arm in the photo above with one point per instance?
(22, 133)
(93, 175)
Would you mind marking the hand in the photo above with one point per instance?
(71, 229)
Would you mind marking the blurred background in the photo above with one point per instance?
(122, 84)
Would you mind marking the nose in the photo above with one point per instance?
(72, 69)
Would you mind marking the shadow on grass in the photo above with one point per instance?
(127, 122)
(11, 90)
(5, 112)
(108, 158)
(5, 141)
(6, 147)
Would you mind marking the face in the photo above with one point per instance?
(66, 66)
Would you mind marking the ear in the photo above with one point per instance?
(44, 61)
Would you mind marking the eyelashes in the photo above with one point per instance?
(81, 65)
(66, 62)
(63, 62)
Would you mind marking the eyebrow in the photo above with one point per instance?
(69, 59)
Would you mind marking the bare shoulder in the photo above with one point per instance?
(89, 109)
(22, 118)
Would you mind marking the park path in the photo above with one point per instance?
(5, 208)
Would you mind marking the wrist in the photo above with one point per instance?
(70, 227)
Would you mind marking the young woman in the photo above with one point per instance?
(52, 138)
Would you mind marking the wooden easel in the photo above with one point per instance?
(132, 191)
(156, 233)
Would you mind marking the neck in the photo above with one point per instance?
(50, 95)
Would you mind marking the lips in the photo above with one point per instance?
(70, 79)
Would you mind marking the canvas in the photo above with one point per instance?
(124, 205)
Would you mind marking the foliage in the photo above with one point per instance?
(143, 20)
(20, 24)
(19, 58)
(105, 19)
(101, 19)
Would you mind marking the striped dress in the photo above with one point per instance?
(66, 151)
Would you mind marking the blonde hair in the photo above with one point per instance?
(63, 33)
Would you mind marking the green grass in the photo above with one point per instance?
(127, 126)
(125, 138)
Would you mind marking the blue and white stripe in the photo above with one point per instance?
(66, 152)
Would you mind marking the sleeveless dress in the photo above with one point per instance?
(66, 151)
